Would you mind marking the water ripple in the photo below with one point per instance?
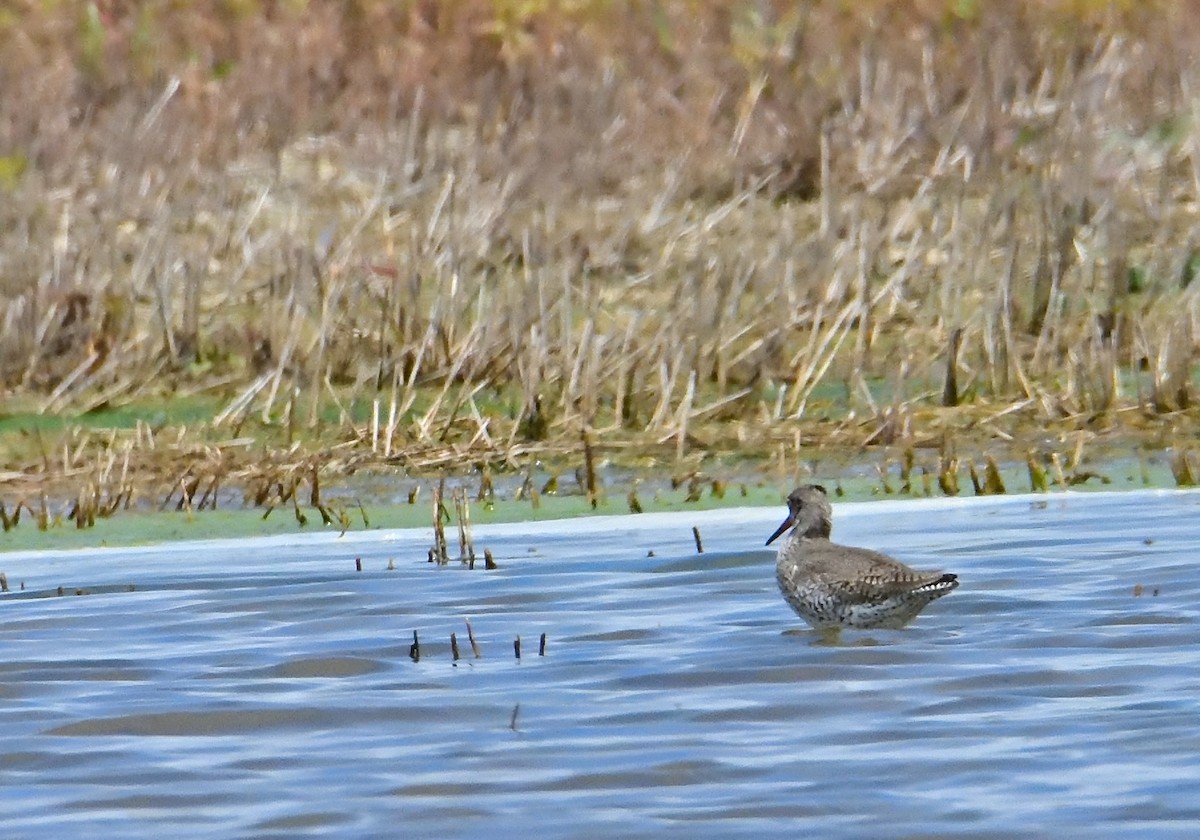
(264, 688)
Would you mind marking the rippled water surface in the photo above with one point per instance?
(264, 687)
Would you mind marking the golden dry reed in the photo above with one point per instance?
(427, 236)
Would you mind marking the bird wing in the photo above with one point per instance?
(865, 573)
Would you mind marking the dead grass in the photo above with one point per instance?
(388, 233)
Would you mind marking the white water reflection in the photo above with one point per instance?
(264, 688)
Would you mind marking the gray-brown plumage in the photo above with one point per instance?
(831, 585)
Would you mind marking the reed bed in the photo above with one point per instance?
(403, 236)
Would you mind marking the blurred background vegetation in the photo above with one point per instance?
(243, 237)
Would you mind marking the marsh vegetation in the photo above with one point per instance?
(263, 245)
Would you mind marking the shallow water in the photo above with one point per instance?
(263, 688)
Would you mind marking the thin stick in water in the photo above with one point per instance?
(471, 639)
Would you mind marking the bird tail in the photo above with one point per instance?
(942, 584)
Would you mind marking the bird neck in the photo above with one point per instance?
(817, 530)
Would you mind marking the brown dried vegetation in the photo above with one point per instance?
(433, 235)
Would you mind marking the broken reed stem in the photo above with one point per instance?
(440, 549)
(820, 354)
(976, 484)
(471, 639)
(993, 483)
(185, 495)
(950, 386)
(589, 467)
(635, 504)
(314, 477)
(948, 476)
(682, 417)
(375, 425)
(696, 537)
(393, 418)
(1181, 468)
(1059, 476)
(1037, 474)
(466, 545)
(301, 518)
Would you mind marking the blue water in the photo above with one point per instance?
(263, 688)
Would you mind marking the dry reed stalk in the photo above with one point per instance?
(1059, 476)
(466, 395)
(441, 551)
(314, 480)
(582, 349)
(461, 358)
(1181, 468)
(410, 393)
(471, 639)
(240, 403)
(825, 350)
(667, 375)
(466, 545)
(948, 475)
(390, 435)
(865, 268)
(635, 504)
(481, 435)
(1037, 475)
(950, 386)
(487, 491)
(881, 470)
(993, 482)
(1172, 370)
(276, 377)
(682, 416)
(67, 381)
(375, 425)
(591, 484)
(976, 484)
(717, 405)
(293, 496)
